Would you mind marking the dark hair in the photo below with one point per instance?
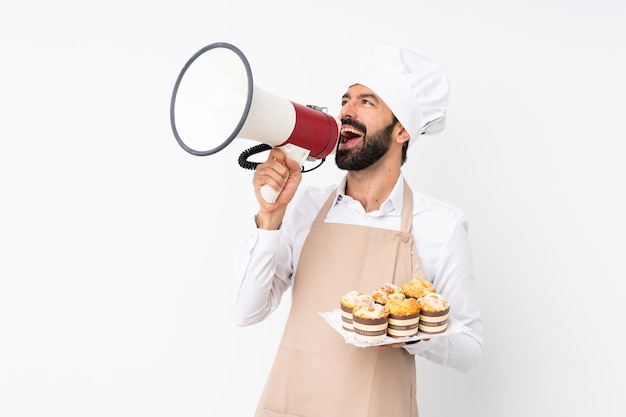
(405, 147)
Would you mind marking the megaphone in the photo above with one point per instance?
(215, 101)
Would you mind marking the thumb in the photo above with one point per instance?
(295, 170)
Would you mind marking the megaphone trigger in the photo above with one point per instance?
(295, 152)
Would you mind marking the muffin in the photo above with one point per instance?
(387, 291)
(348, 302)
(434, 313)
(369, 320)
(404, 317)
(417, 288)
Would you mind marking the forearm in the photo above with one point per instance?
(260, 280)
(454, 280)
(461, 352)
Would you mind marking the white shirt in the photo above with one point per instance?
(267, 261)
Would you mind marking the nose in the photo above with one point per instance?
(347, 110)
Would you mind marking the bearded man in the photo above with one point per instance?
(368, 229)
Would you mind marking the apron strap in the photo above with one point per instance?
(321, 215)
(407, 208)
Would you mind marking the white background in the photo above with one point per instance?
(116, 246)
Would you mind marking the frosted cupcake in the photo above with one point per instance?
(370, 320)
(434, 313)
(404, 316)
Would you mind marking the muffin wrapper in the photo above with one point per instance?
(334, 320)
(346, 318)
(403, 326)
(369, 329)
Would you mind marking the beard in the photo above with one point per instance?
(372, 149)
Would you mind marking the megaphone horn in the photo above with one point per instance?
(215, 98)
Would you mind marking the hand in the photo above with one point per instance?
(393, 345)
(281, 174)
(401, 344)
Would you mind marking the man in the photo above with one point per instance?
(368, 230)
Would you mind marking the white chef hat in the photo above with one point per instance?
(414, 87)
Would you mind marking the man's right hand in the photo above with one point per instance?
(281, 174)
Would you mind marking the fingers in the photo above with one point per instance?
(272, 172)
(281, 174)
(393, 345)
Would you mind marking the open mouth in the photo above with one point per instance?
(349, 133)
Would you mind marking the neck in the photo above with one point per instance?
(371, 188)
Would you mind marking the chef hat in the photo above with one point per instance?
(414, 87)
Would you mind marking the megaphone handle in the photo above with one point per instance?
(293, 152)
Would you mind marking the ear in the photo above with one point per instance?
(401, 135)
